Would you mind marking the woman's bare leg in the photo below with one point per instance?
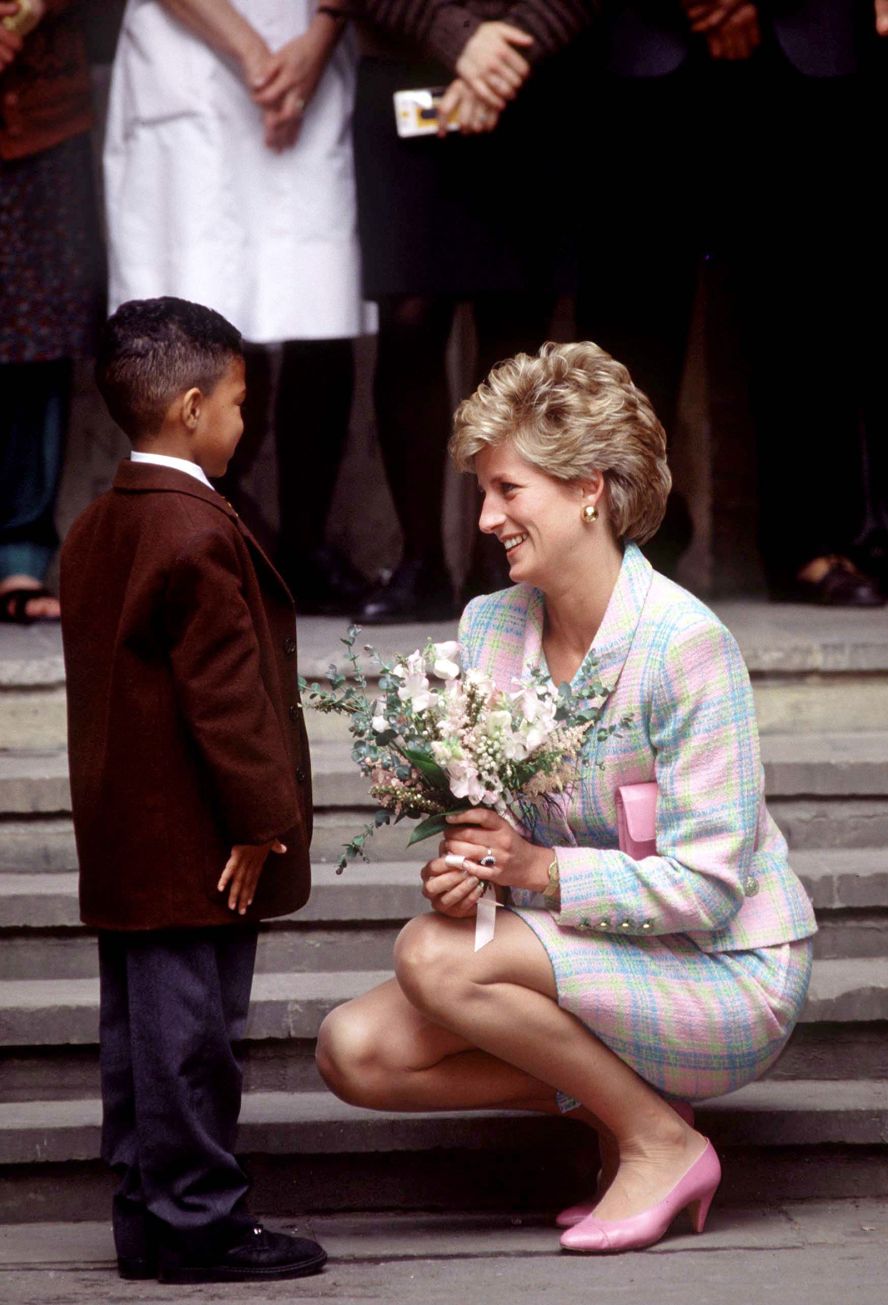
(502, 1000)
(379, 1051)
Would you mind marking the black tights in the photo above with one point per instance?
(310, 422)
(413, 399)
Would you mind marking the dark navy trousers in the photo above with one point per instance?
(173, 1007)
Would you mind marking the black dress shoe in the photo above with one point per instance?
(416, 592)
(842, 585)
(324, 583)
(137, 1269)
(255, 1255)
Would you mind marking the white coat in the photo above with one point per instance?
(199, 207)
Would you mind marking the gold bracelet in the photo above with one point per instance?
(24, 21)
(552, 891)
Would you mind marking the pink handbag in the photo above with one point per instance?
(637, 819)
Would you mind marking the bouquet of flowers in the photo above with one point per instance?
(437, 740)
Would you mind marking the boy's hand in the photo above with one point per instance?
(242, 871)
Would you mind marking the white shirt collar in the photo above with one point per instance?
(178, 464)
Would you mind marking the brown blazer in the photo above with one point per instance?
(185, 728)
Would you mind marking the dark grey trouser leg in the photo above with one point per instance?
(173, 1004)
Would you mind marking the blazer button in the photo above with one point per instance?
(300, 774)
(647, 926)
(290, 647)
(604, 924)
(293, 711)
(751, 886)
(626, 924)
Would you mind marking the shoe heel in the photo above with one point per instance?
(699, 1211)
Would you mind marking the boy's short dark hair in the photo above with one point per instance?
(150, 350)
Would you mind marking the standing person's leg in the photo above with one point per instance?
(188, 994)
(799, 279)
(413, 416)
(33, 421)
(133, 1232)
(505, 324)
(311, 420)
(171, 1087)
(639, 252)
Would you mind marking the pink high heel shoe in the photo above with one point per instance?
(575, 1214)
(694, 1191)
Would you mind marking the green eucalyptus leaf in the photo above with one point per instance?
(428, 768)
(427, 828)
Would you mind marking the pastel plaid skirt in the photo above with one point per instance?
(693, 1024)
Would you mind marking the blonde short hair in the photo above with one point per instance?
(569, 411)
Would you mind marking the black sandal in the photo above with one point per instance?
(14, 606)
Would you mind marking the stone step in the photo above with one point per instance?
(820, 765)
(359, 914)
(765, 1114)
(808, 669)
(62, 1012)
(39, 844)
(835, 880)
(821, 1051)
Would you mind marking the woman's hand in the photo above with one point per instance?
(738, 36)
(473, 115)
(882, 17)
(10, 44)
(452, 892)
(290, 81)
(518, 863)
(704, 15)
(491, 65)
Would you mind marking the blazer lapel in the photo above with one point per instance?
(611, 645)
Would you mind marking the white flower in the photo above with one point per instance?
(476, 677)
(464, 780)
(445, 669)
(415, 688)
(445, 660)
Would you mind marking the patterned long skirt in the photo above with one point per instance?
(51, 263)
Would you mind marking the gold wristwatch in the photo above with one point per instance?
(552, 891)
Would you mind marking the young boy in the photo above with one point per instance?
(190, 787)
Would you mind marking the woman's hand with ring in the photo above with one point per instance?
(450, 889)
(480, 834)
(288, 85)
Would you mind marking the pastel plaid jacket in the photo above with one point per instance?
(721, 874)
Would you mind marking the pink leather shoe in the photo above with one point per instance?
(574, 1214)
(695, 1191)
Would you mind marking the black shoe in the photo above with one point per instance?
(255, 1255)
(842, 585)
(324, 583)
(133, 1269)
(416, 592)
(136, 1236)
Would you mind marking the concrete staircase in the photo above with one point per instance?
(818, 1125)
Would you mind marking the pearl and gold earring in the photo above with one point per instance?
(590, 513)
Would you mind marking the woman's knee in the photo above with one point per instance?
(347, 1054)
(428, 963)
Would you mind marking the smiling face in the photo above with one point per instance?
(219, 422)
(536, 518)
